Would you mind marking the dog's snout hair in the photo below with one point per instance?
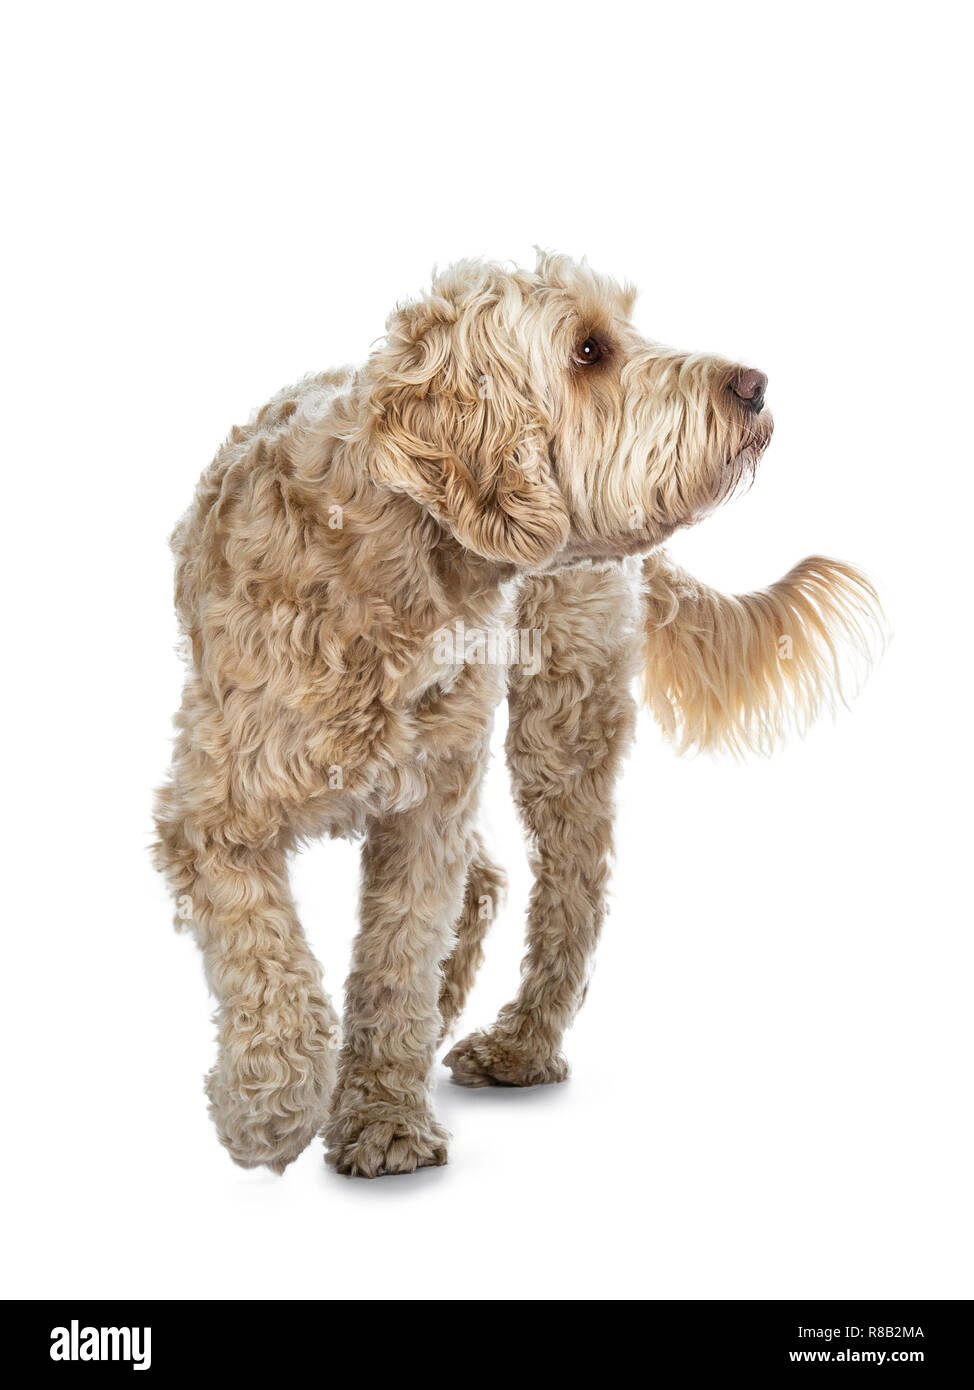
(683, 445)
(487, 470)
(649, 438)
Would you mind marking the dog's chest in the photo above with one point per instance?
(478, 636)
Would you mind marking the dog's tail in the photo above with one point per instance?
(739, 672)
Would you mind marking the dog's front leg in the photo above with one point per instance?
(270, 1087)
(571, 723)
(414, 867)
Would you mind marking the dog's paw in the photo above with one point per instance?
(269, 1102)
(487, 1058)
(384, 1139)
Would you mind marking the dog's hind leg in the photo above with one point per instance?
(278, 1033)
(486, 884)
(571, 723)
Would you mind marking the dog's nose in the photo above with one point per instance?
(750, 386)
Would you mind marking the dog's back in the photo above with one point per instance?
(245, 475)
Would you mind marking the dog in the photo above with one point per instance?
(511, 458)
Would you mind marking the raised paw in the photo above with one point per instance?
(384, 1139)
(269, 1099)
(487, 1058)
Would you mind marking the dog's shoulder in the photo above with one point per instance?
(241, 492)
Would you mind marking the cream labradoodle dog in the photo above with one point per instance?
(353, 560)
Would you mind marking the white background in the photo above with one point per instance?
(771, 1092)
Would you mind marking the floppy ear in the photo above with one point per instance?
(453, 427)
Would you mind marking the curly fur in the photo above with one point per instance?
(483, 467)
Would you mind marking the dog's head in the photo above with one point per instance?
(525, 412)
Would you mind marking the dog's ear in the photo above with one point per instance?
(452, 424)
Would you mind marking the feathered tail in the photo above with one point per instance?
(739, 672)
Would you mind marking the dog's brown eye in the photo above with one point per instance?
(590, 351)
